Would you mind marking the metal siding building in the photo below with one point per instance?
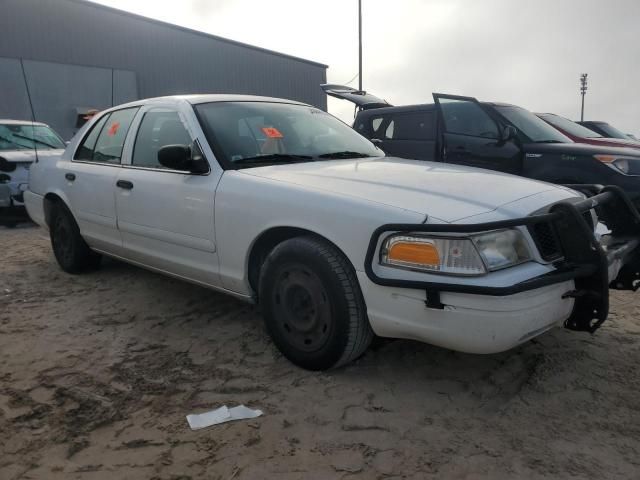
(72, 54)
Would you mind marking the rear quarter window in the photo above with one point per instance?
(410, 126)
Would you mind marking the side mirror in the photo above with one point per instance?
(509, 132)
(179, 157)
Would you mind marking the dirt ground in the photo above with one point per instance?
(98, 371)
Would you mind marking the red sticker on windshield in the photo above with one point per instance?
(272, 132)
(113, 129)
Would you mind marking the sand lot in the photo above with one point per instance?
(98, 371)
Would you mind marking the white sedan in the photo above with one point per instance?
(21, 142)
(280, 203)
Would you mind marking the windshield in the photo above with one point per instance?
(28, 137)
(249, 133)
(533, 128)
(568, 126)
(612, 132)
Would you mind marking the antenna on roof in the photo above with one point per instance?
(360, 45)
(33, 115)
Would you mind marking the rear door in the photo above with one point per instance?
(166, 216)
(471, 136)
(405, 134)
(91, 177)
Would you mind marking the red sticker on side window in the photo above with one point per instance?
(113, 129)
(272, 132)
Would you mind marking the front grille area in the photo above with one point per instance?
(546, 240)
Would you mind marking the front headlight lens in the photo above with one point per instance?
(502, 248)
(626, 165)
(474, 255)
(457, 256)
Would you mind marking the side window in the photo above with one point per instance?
(377, 126)
(105, 141)
(158, 129)
(467, 118)
(412, 126)
(388, 133)
(111, 140)
(360, 127)
(85, 151)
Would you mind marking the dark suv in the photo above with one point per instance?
(490, 135)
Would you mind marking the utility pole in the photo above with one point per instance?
(360, 45)
(583, 92)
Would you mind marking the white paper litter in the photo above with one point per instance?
(221, 415)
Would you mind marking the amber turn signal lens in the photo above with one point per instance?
(605, 158)
(414, 253)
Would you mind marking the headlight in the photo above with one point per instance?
(620, 163)
(473, 255)
(502, 248)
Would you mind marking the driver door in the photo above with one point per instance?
(470, 136)
(165, 216)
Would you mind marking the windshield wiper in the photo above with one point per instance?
(344, 154)
(35, 140)
(549, 141)
(273, 158)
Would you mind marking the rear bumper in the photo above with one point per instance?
(34, 204)
(591, 265)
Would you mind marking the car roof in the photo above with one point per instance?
(500, 104)
(417, 107)
(7, 121)
(195, 99)
(400, 108)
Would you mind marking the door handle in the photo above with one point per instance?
(70, 176)
(126, 184)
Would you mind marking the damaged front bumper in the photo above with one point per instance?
(593, 264)
(11, 212)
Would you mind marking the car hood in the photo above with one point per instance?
(616, 142)
(28, 156)
(578, 149)
(446, 192)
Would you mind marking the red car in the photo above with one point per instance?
(581, 134)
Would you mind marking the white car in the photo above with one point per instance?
(21, 142)
(280, 203)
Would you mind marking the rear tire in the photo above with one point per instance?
(71, 251)
(312, 304)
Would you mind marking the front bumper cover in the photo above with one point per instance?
(586, 260)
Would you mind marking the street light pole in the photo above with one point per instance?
(360, 45)
(583, 92)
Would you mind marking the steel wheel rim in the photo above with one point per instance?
(302, 308)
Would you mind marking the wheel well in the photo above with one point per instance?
(50, 201)
(267, 241)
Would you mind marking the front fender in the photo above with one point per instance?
(246, 206)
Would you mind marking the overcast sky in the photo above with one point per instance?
(530, 53)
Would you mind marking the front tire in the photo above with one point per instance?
(71, 251)
(312, 304)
